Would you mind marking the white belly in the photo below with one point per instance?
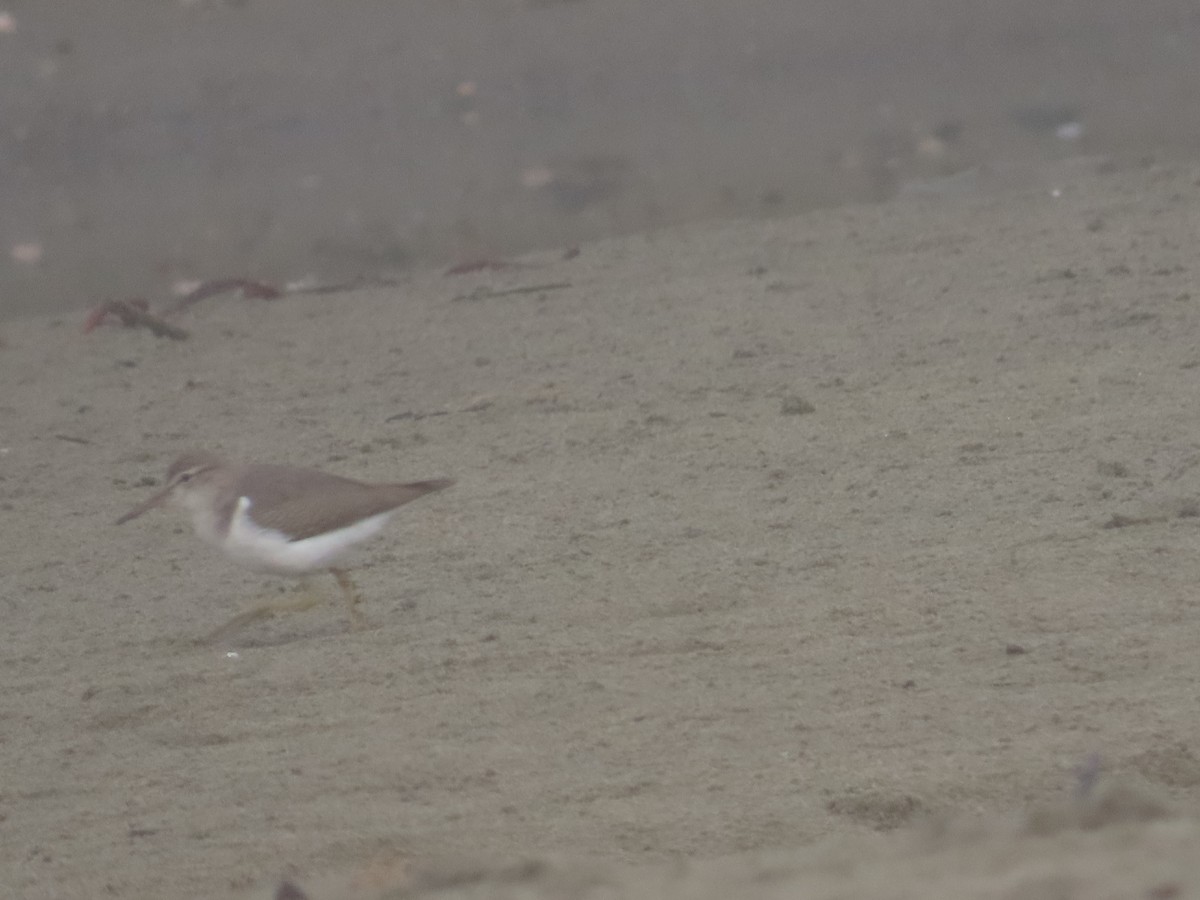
(271, 551)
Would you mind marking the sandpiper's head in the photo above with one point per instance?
(188, 476)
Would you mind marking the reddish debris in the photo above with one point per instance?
(253, 290)
(136, 311)
(132, 313)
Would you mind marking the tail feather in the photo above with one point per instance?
(406, 493)
(428, 487)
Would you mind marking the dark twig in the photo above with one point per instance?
(256, 290)
(485, 265)
(133, 313)
(487, 294)
(340, 287)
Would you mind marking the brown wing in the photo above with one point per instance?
(302, 503)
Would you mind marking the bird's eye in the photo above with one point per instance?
(185, 476)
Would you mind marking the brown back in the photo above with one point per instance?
(303, 503)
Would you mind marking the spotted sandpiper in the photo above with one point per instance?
(281, 519)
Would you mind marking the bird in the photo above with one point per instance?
(282, 520)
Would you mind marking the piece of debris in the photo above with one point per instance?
(251, 290)
(133, 313)
(484, 293)
(479, 265)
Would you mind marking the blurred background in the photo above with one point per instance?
(146, 144)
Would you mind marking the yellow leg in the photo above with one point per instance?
(307, 600)
(350, 593)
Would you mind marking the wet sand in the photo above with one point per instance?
(147, 144)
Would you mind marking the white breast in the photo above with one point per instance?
(271, 551)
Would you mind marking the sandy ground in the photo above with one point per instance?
(766, 536)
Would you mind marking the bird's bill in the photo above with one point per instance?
(157, 500)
